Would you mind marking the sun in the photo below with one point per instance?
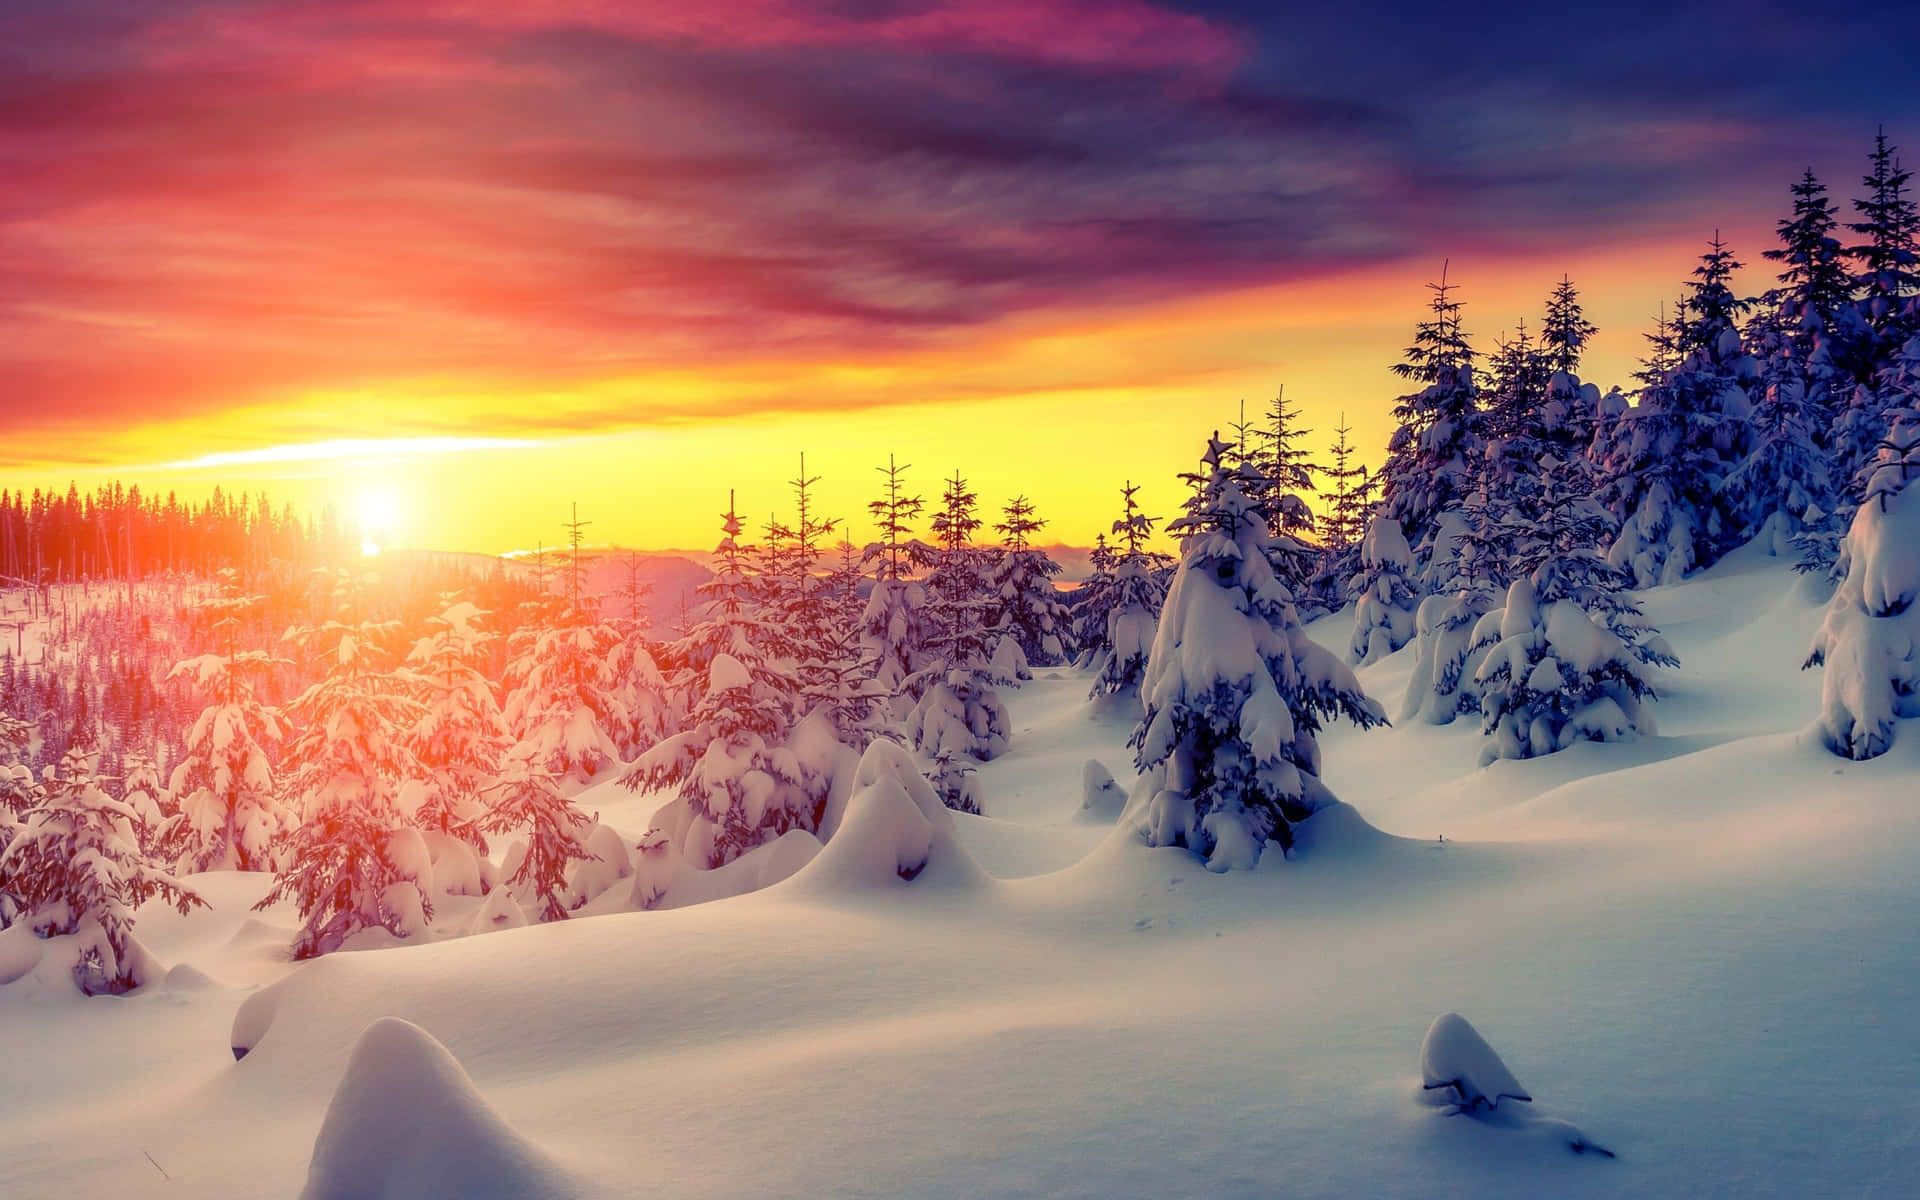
(378, 513)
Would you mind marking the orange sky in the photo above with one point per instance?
(1062, 406)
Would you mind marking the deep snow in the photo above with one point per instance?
(1698, 946)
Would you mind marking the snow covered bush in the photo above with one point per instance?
(75, 867)
(1383, 618)
(355, 858)
(1556, 676)
(1452, 634)
(1869, 643)
(1234, 690)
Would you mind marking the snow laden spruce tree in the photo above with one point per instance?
(355, 858)
(230, 817)
(563, 697)
(832, 667)
(894, 625)
(1430, 459)
(746, 769)
(958, 720)
(75, 868)
(1385, 593)
(524, 798)
(1025, 606)
(1234, 691)
(1572, 658)
(457, 742)
(1869, 643)
(1123, 607)
(1667, 460)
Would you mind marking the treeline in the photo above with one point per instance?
(119, 532)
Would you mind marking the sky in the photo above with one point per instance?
(453, 266)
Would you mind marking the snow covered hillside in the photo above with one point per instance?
(1697, 947)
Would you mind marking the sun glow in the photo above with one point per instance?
(378, 513)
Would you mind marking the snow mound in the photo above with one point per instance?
(1100, 795)
(406, 1123)
(1455, 1056)
(501, 911)
(894, 830)
(254, 1018)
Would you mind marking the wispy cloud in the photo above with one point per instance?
(347, 449)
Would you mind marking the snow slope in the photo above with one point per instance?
(1698, 947)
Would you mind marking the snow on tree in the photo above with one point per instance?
(958, 719)
(229, 813)
(356, 859)
(75, 867)
(1783, 486)
(1429, 468)
(1234, 689)
(1889, 253)
(832, 666)
(461, 734)
(19, 790)
(564, 698)
(638, 683)
(1452, 633)
(1384, 589)
(1869, 643)
(525, 798)
(1556, 676)
(142, 790)
(1025, 606)
(748, 767)
(1667, 459)
(1128, 604)
(894, 626)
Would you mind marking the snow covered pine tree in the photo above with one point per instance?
(75, 867)
(1234, 690)
(1869, 643)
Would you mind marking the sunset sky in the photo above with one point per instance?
(455, 264)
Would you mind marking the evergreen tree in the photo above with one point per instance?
(355, 859)
(1385, 592)
(1429, 468)
(1889, 252)
(230, 817)
(461, 733)
(959, 718)
(1128, 603)
(74, 866)
(1663, 470)
(894, 628)
(1234, 690)
(746, 768)
(524, 798)
(1025, 605)
(1867, 643)
(1566, 331)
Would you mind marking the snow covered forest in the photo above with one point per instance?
(211, 712)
